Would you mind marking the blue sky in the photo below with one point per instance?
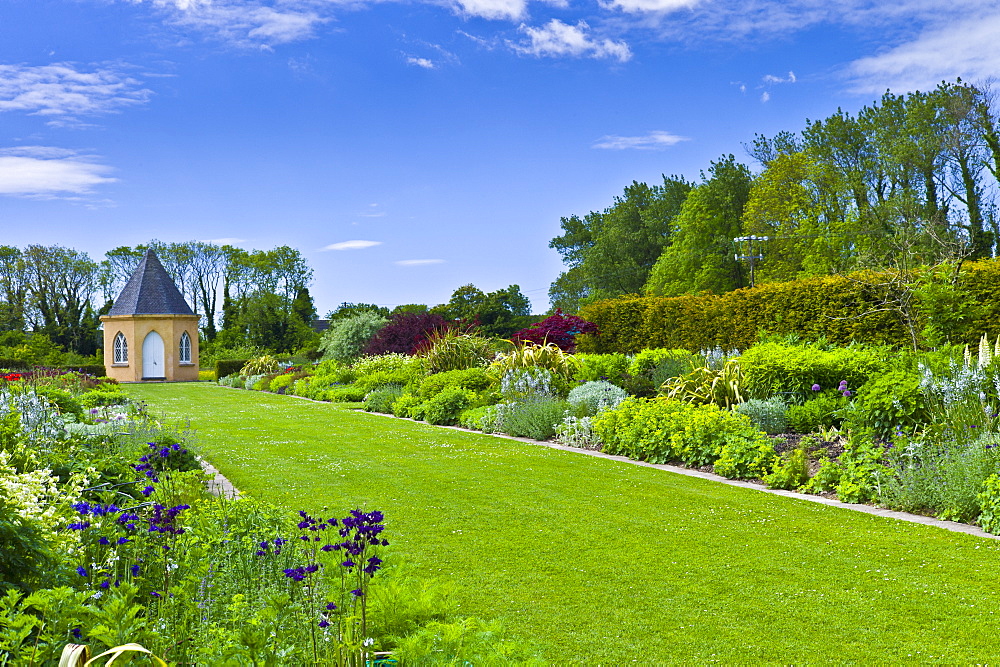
(410, 147)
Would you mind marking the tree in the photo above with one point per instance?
(611, 252)
(348, 336)
(558, 329)
(404, 333)
(13, 289)
(498, 313)
(59, 286)
(700, 256)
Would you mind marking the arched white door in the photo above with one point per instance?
(152, 357)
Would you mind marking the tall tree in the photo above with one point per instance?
(60, 283)
(612, 252)
(700, 257)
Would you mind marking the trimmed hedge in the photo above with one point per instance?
(224, 367)
(831, 307)
(15, 365)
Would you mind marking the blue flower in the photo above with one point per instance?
(147, 491)
(357, 592)
(81, 571)
(104, 541)
(816, 387)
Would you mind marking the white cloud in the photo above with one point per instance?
(765, 96)
(351, 245)
(557, 39)
(493, 9)
(420, 62)
(655, 140)
(42, 171)
(968, 48)
(653, 6)
(770, 78)
(244, 23)
(63, 91)
(419, 262)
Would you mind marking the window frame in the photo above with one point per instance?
(184, 348)
(120, 350)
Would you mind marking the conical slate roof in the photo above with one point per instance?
(150, 291)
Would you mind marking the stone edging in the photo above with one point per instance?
(223, 485)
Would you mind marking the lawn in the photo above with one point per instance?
(603, 562)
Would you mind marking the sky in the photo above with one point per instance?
(408, 147)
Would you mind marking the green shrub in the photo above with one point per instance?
(745, 457)
(445, 407)
(893, 401)
(65, 402)
(206, 376)
(346, 337)
(722, 386)
(473, 417)
(826, 478)
(102, 395)
(392, 361)
(577, 432)
(827, 409)
(381, 399)
(226, 367)
(989, 501)
(595, 396)
(453, 349)
(280, 384)
(613, 368)
(665, 430)
(303, 386)
(264, 365)
(861, 469)
(769, 416)
(95, 370)
(790, 472)
(535, 418)
(406, 404)
(779, 368)
(475, 379)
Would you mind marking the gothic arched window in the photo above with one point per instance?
(185, 348)
(121, 349)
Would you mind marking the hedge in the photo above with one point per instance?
(224, 367)
(840, 308)
(97, 370)
(13, 365)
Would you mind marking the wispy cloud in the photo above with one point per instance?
(968, 48)
(247, 24)
(63, 91)
(655, 140)
(558, 39)
(351, 245)
(765, 97)
(770, 78)
(47, 172)
(419, 262)
(426, 63)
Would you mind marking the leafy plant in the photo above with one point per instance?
(348, 336)
(558, 329)
(596, 396)
(535, 418)
(452, 349)
(791, 471)
(382, 399)
(769, 416)
(446, 406)
(550, 357)
(262, 365)
(723, 387)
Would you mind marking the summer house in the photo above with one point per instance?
(151, 333)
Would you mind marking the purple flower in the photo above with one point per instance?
(324, 623)
(122, 540)
(135, 570)
(348, 563)
(357, 592)
(847, 393)
(816, 387)
(105, 584)
(331, 606)
(312, 568)
(79, 525)
(146, 491)
(76, 633)
(104, 541)
(81, 571)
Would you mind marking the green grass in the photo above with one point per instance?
(603, 562)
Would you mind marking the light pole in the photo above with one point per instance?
(749, 249)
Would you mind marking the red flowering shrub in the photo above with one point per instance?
(404, 333)
(559, 329)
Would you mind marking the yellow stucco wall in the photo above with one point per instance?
(135, 328)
